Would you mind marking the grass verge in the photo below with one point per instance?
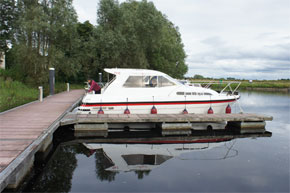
(14, 93)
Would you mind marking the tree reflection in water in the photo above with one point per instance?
(103, 162)
(57, 174)
(141, 174)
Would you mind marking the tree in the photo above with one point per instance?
(197, 76)
(135, 34)
(8, 15)
(45, 36)
(63, 39)
(86, 50)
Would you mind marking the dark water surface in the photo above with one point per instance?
(249, 164)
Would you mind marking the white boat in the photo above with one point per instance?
(140, 90)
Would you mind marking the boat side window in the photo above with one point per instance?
(180, 93)
(162, 82)
(134, 81)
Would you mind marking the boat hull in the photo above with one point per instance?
(163, 107)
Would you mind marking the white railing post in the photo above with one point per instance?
(67, 87)
(40, 93)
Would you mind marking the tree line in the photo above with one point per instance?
(39, 34)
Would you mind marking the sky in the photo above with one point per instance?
(244, 39)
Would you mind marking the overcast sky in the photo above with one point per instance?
(226, 38)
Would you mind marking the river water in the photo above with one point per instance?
(249, 163)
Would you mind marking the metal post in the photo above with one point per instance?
(100, 77)
(51, 80)
(2, 60)
(67, 87)
(40, 93)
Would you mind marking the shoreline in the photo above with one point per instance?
(285, 90)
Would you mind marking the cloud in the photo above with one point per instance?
(86, 10)
(260, 59)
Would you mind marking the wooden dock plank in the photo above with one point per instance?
(21, 130)
(4, 143)
(4, 161)
(13, 147)
(20, 127)
(9, 153)
(23, 136)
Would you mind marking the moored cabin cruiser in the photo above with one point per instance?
(140, 91)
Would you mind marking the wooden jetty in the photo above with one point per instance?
(28, 129)
(170, 124)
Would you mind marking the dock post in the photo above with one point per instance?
(67, 87)
(51, 80)
(40, 93)
(100, 77)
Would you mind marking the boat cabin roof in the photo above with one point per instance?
(131, 71)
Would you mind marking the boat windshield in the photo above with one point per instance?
(147, 81)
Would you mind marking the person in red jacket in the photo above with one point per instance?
(94, 87)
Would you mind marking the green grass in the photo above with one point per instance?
(14, 93)
(266, 84)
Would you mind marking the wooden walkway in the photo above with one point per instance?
(23, 129)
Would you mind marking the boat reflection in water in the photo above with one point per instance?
(144, 157)
(140, 157)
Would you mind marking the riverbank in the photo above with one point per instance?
(285, 90)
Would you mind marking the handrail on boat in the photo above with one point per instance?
(229, 85)
(108, 83)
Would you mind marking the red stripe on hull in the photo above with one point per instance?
(179, 141)
(156, 103)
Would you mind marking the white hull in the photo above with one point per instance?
(161, 109)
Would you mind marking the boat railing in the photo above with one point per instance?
(106, 84)
(231, 85)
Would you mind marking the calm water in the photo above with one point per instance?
(250, 164)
